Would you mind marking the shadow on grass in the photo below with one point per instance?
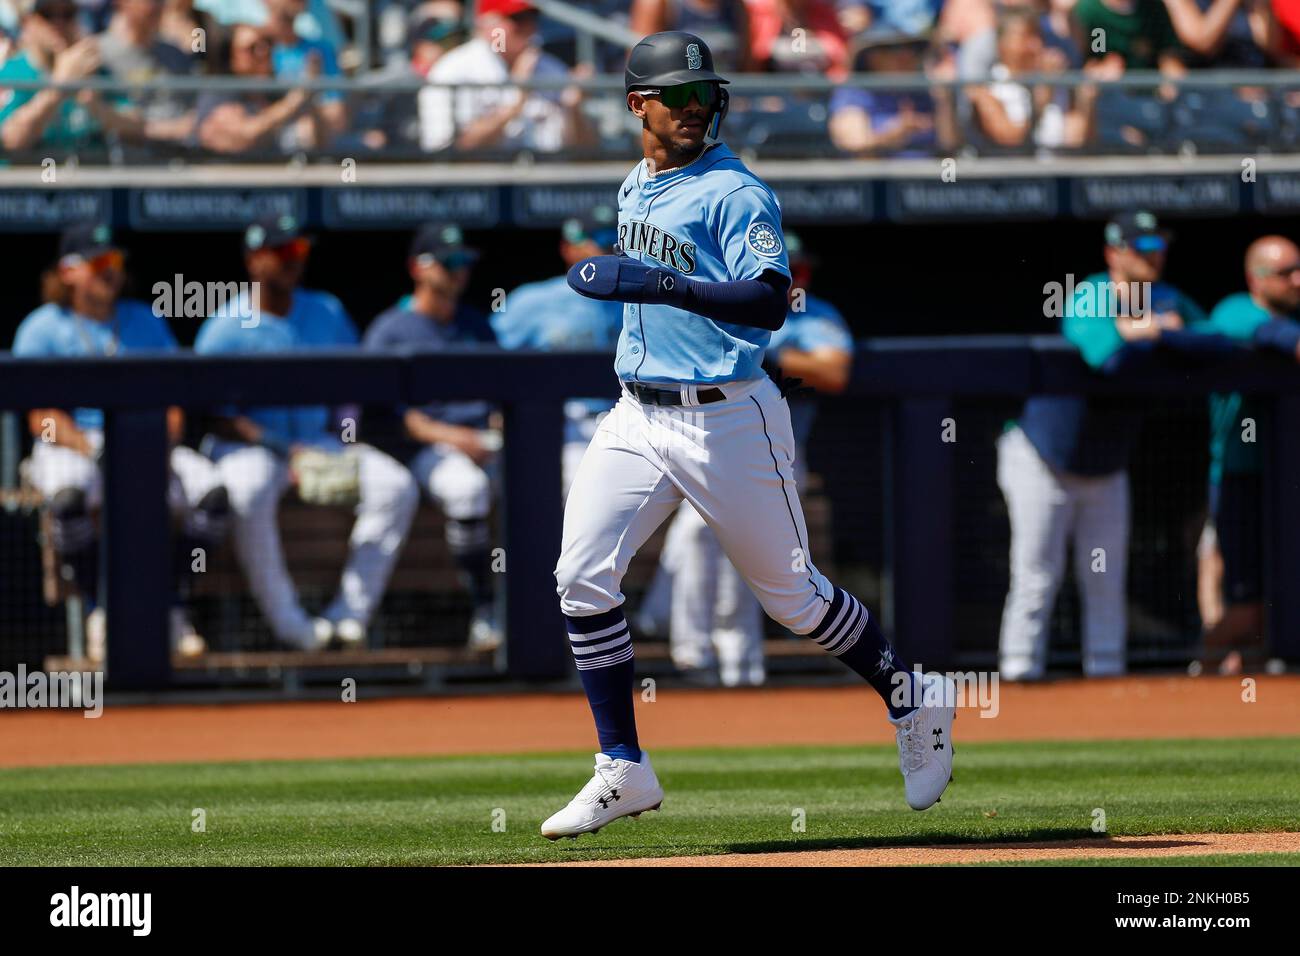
(1037, 839)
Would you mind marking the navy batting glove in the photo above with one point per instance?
(622, 279)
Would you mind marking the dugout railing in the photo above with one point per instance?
(913, 383)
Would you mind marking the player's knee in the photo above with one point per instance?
(209, 519)
(72, 527)
(581, 590)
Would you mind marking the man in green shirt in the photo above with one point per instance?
(50, 48)
(1139, 32)
(1261, 316)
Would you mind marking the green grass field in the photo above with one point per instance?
(442, 810)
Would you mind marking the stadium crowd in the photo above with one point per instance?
(970, 63)
(1062, 463)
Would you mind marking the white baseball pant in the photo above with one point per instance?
(1046, 508)
(256, 478)
(52, 468)
(461, 488)
(732, 460)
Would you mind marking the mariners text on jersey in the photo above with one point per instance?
(714, 220)
(657, 244)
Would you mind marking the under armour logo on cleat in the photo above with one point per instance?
(938, 738)
(604, 801)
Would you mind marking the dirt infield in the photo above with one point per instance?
(1125, 847)
(1134, 707)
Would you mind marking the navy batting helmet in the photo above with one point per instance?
(672, 58)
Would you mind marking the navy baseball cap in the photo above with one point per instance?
(86, 239)
(445, 243)
(598, 225)
(271, 232)
(1140, 230)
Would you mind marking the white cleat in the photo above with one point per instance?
(619, 788)
(925, 742)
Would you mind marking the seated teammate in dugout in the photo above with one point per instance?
(449, 447)
(261, 452)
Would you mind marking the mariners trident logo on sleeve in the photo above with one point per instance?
(764, 239)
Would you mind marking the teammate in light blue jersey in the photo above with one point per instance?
(548, 315)
(85, 316)
(257, 450)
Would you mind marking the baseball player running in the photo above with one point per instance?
(703, 274)
(715, 622)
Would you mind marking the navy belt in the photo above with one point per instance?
(649, 395)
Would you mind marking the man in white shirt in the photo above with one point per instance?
(501, 116)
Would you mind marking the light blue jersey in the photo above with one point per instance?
(818, 326)
(53, 331)
(315, 320)
(550, 316)
(712, 220)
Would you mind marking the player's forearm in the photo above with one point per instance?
(826, 370)
(1280, 334)
(57, 427)
(426, 430)
(756, 303)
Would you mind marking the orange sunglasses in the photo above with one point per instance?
(295, 250)
(114, 260)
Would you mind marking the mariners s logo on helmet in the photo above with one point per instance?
(764, 239)
(693, 59)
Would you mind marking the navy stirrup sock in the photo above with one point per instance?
(842, 632)
(602, 649)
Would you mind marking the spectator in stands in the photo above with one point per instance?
(232, 123)
(433, 29)
(722, 24)
(262, 452)
(1233, 34)
(1285, 42)
(294, 57)
(188, 29)
(797, 36)
(1063, 466)
(549, 315)
(714, 622)
(85, 315)
(1010, 114)
(888, 122)
(502, 116)
(134, 53)
(51, 47)
(1130, 35)
(316, 22)
(1240, 428)
(448, 446)
(902, 16)
(972, 24)
(384, 121)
